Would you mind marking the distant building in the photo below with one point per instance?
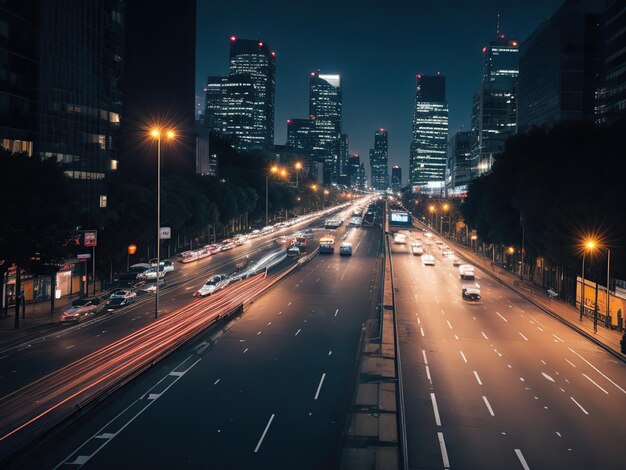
(429, 142)
(289, 157)
(362, 179)
(459, 170)
(352, 169)
(396, 178)
(494, 116)
(379, 157)
(256, 59)
(299, 135)
(229, 109)
(344, 152)
(325, 110)
(560, 65)
(612, 93)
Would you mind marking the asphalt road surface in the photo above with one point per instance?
(499, 383)
(272, 391)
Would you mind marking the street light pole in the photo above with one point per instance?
(267, 187)
(158, 239)
(582, 290)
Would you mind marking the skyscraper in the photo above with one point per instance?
(255, 59)
(344, 151)
(379, 157)
(427, 161)
(352, 170)
(299, 135)
(459, 161)
(494, 116)
(396, 178)
(560, 66)
(325, 110)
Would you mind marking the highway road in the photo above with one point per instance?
(499, 383)
(271, 391)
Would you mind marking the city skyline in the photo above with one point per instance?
(378, 80)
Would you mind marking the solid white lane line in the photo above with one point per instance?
(558, 338)
(477, 378)
(500, 315)
(520, 333)
(463, 356)
(428, 374)
(488, 406)
(522, 460)
(256, 449)
(579, 406)
(570, 362)
(336, 312)
(299, 330)
(319, 387)
(422, 331)
(589, 379)
(598, 371)
(444, 452)
(424, 354)
(449, 325)
(484, 335)
(435, 409)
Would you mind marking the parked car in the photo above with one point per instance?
(212, 285)
(82, 308)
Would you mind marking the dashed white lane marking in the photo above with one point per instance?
(422, 331)
(598, 371)
(539, 328)
(435, 409)
(484, 335)
(500, 315)
(70, 346)
(522, 460)
(299, 330)
(319, 387)
(463, 356)
(570, 362)
(258, 333)
(558, 433)
(216, 382)
(269, 323)
(245, 350)
(330, 352)
(559, 339)
(590, 380)
(449, 325)
(477, 378)
(520, 333)
(579, 406)
(256, 449)
(444, 452)
(488, 405)
(428, 374)
(424, 354)
(336, 312)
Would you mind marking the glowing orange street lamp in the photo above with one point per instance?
(298, 166)
(158, 133)
(273, 169)
(588, 245)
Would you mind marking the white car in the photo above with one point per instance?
(212, 285)
(166, 265)
(417, 250)
(466, 271)
(151, 274)
(447, 252)
(399, 239)
(81, 308)
(428, 260)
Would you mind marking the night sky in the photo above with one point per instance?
(377, 47)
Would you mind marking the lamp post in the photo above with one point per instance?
(445, 210)
(324, 197)
(589, 245)
(273, 169)
(314, 188)
(298, 166)
(156, 134)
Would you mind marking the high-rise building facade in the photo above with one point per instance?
(379, 161)
(560, 67)
(459, 169)
(299, 135)
(255, 59)
(362, 180)
(344, 152)
(352, 169)
(612, 94)
(427, 161)
(325, 110)
(494, 116)
(229, 108)
(396, 178)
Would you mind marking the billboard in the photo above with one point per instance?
(399, 219)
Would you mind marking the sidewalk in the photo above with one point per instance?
(606, 338)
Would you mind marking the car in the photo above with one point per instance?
(212, 285)
(151, 274)
(150, 287)
(417, 250)
(166, 265)
(139, 267)
(471, 292)
(345, 249)
(466, 271)
(120, 299)
(81, 308)
(123, 294)
(428, 234)
(457, 262)
(399, 239)
(447, 252)
(428, 260)
(293, 251)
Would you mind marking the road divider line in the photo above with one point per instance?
(444, 452)
(336, 312)
(520, 333)
(477, 378)
(570, 362)
(299, 330)
(484, 335)
(522, 460)
(433, 399)
(428, 375)
(330, 352)
(579, 406)
(422, 331)
(500, 315)
(424, 354)
(463, 356)
(258, 446)
(488, 406)
(216, 382)
(590, 380)
(449, 325)
(558, 338)
(245, 350)
(319, 387)
(598, 371)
